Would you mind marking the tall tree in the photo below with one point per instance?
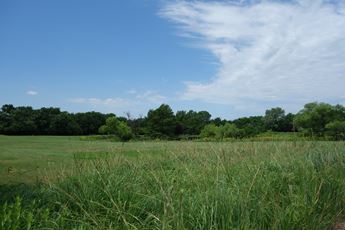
(161, 122)
(274, 119)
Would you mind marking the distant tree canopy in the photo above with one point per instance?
(315, 119)
(319, 119)
(276, 120)
(90, 122)
(191, 122)
(251, 126)
(48, 121)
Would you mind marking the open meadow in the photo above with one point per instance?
(65, 183)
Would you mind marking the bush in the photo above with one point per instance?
(336, 130)
(210, 131)
(226, 131)
(115, 127)
(229, 131)
(314, 117)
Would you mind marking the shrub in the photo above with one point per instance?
(210, 131)
(336, 130)
(229, 131)
(115, 127)
(314, 117)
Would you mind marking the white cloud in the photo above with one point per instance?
(268, 51)
(151, 97)
(108, 102)
(137, 103)
(32, 93)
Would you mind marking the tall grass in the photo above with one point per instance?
(272, 185)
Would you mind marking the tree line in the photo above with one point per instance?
(315, 119)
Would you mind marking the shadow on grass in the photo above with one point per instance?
(8, 192)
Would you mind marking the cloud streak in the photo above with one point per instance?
(138, 102)
(32, 93)
(268, 51)
(150, 97)
(108, 102)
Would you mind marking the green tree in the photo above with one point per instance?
(230, 131)
(6, 118)
(90, 122)
(286, 125)
(218, 121)
(191, 122)
(44, 118)
(160, 122)
(210, 131)
(336, 130)
(250, 126)
(314, 117)
(64, 124)
(274, 119)
(113, 126)
(20, 120)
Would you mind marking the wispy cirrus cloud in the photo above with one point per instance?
(268, 51)
(32, 93)
(138, 102)
(151, 97)
(107, 102)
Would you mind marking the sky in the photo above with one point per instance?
(232, 58)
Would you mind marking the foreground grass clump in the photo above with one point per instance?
(285, 185)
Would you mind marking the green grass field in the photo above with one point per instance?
(26, 159)
(73, 184)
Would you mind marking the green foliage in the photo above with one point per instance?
(276, 120)
(218, 121)
(226, 131)
(124, 132)
(209, 131)
(336, 130)
(312, 120)
(273, 117)
(47, 121)
(191, 122)
(113, 126)
(20, 120)
(250, 126)
(160, 122)
(90, 122)
(44, 118)
(230, 131)
(64, 124)
(110, 126)
(33, 215)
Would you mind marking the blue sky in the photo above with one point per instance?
(227, 57)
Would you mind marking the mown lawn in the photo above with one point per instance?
(170, 185)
